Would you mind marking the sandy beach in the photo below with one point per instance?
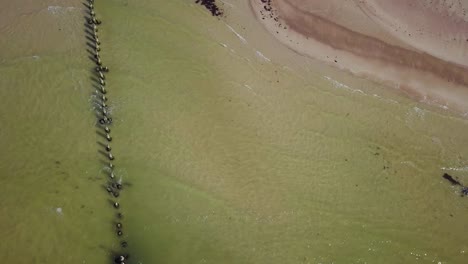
(420, 47)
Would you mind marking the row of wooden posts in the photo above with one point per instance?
(113, 186)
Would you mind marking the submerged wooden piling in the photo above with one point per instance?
(114, 187)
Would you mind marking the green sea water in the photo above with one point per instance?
(228, 151)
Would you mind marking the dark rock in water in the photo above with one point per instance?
(451, 179)
(464, 191)
(119, 259)
(211, 6)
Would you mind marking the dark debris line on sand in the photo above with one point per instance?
(211, 6)
(455, 182)
(112, 186)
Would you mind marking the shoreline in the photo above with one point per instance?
(366, 50)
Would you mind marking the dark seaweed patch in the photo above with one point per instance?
(211, 6)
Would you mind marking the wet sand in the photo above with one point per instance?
(419, 47)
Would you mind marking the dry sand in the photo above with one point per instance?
(418, 46)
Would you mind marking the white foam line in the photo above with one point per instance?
(455, 169)
(386, 99)
(237, 34)
(259, 96)
(262, 56)
(337, 84)
(57, 9)
(434, 102)
(252, 90)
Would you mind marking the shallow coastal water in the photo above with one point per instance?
(233, 148)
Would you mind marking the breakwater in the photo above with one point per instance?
(112, 184)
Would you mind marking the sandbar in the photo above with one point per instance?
(417, 46)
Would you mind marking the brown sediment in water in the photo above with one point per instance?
(359, 37)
